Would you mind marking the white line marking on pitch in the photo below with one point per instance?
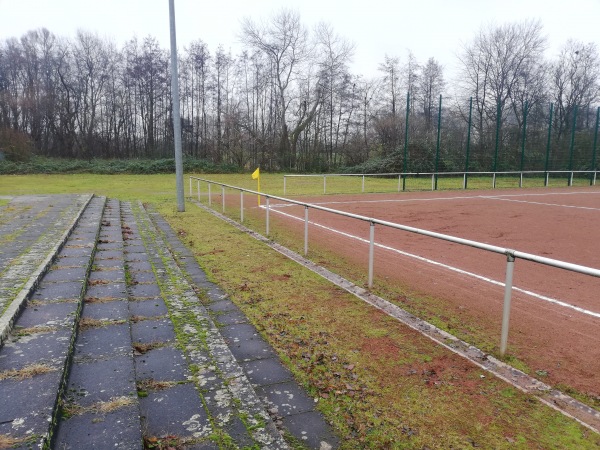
(543, 204)
(460, 197)
(451, 268)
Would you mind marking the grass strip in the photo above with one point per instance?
(381, 384)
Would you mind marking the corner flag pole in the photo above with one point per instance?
(256, 176)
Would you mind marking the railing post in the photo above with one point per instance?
(433, 182)
(363, 183)
(209, 196)
(510, 266)
(571, 179)
(242, 206)
(371, 253)
(465, 180)
(399, 182)
(198, 188)
(267, 216)
(521, 180)
(494, 181)
(305, 230)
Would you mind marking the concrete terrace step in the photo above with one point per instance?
(32, 230)
(233, 411)
(150, 365)
(36, 353)
(287, 403)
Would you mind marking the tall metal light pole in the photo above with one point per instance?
(176, 116)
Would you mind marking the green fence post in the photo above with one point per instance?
(406, 142)
(548, 145)
(524, 137)
(498, 120)
(468, 142)
(572, 145)
(594, 148)
(437, 149)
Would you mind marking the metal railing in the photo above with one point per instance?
(511, 255)
(402, 177)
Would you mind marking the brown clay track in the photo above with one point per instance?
(556, 223)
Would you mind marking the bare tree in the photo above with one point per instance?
(411, 79)
(284, 41)
(431, 86)
(576, 81)
(91, 64)
(496, 65)
(391, 80)
(336, 53)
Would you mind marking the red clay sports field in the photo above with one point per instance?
(555, 315)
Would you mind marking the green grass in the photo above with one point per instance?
(381, 384)
(161, 187)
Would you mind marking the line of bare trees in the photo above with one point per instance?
(289, 100)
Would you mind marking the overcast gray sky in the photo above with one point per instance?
(430, 28)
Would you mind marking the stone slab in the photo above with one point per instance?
(147, 331)
(222, 306)
(101, 380)
(108, 263)
(108, 340)
(162, 364)
(66, 274)
(287, 397)
(47, 314)
(134, 266)
(58, 291)
(138, 257)
(117, 275)
(145, 276)
(71, 261)
(27, 404)
(109, 254)
(144, 290)
(148, 308)
(114, 310)
(110, 290)
(76, 252)
(263, 372)
(108, 244)
(133, 249)
(311, 429)
(116, 430)
(39, 348)
(231, 318)
(175, 411)
(245, 343)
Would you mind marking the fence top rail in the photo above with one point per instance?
(479, 245)
(433, 173)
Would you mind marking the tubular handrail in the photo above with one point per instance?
(403, 176)
(479, 245)
(299, 175)
(510, 254)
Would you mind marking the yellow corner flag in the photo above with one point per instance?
(256, 176)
